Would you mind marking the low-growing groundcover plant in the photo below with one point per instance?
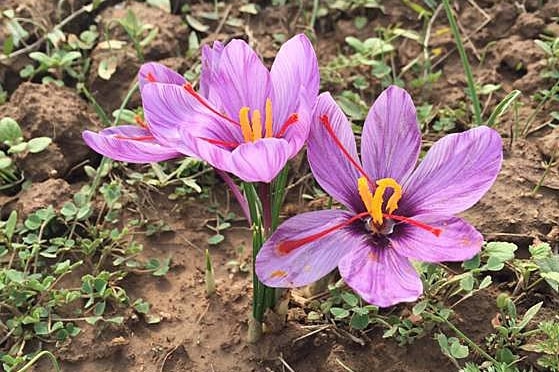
(395, 213)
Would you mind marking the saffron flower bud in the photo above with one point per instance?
(396, 212)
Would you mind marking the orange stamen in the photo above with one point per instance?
(292, 119)
(138, 119)
(188, 87)
(246, 128)
(269, 119)
(326, 122)
(256, 125)
(289, 246)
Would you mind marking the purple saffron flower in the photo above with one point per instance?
(396, 212)
(245, 119)
(138, 144)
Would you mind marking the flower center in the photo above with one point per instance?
(251, 126)
(252, 129)
(374, 202)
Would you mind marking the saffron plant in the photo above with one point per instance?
(395, 212)
(244, 119)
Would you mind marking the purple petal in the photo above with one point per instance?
(217, 156)
(309, 262)
(391, 138)
(295, 66)
(459, 241)
(455, 173)
(380, 275)
(153, 72)
(259, 161)
(168, 108)
(331, 168)
(241, 79)
(298, 133)
(210, 61)
(129, 150)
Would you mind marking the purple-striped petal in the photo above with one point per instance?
(168, 108)
(295, 66)
(380, 275)
(309, 262)
(260, 161)
(145, 150)
(153, 72)
(459, 241)
(455, 173)
(210, 61)
(331, 168)
(298, 133)
(391, 138)
(242, 78)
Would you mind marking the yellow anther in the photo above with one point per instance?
(268, 124)
(365, 193)
(246, 129)
(256, 125)
(373, 203)
(383, 184)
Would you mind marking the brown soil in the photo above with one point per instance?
(208, 334)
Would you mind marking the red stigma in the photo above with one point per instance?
(188, 87)
(134, 138)
(434, 230)
(288, 246)
(221, 143)
(151, 78)
(326, 122)
(292, 119)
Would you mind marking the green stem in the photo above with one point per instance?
(460, 334)
(465, 64)
(39, 356)
(278, 196)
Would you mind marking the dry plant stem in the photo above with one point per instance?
(465, 63)
(538, 108)
(39, 356)
(39, 41)
(548, 166)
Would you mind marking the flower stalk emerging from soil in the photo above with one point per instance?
(395, 211)
(244, 119)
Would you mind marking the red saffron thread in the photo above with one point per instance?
(151, 78)
(135, 138)
(292, 119)
(434, 230)
(288, 246)
(326, 122)
(221, 143)
(189, 89)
